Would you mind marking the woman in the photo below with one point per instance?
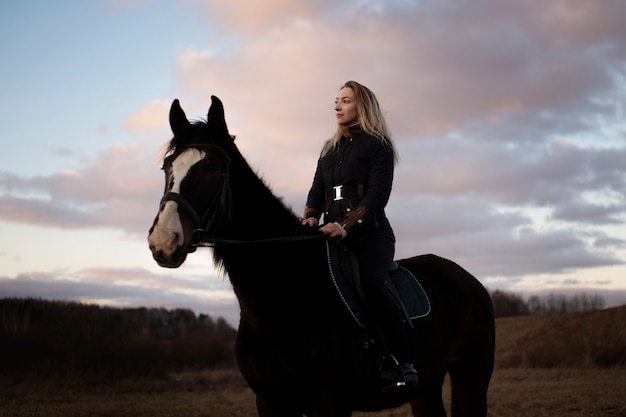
(351, 187)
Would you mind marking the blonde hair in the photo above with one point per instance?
(370, 118)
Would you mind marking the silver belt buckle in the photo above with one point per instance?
(338, 190)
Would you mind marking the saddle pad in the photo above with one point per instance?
(409, 288)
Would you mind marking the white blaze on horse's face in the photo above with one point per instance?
(167, 235)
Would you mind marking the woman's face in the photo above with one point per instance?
(345, 107)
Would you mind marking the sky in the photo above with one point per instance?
(508, 116)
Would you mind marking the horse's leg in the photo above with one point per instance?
(429, 403)
(273, 409)
(469, 390)
(333, 400)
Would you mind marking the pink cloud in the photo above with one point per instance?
(149, 118)
(244, 15)
(113, 189)
(430, 79)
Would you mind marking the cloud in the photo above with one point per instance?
(504, 75)
(246, 16)
(111, 190)
(126, 287)
(501, 58)
(149, 118)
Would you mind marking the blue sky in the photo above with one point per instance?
(509, 119)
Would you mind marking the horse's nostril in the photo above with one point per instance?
(159, 256)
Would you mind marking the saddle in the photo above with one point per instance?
(344, 273)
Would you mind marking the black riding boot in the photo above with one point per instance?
(398, 371)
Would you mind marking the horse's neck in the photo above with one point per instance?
(257, 213)
(277, 280)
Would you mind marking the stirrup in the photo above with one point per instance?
(394, 378)
(390, 374)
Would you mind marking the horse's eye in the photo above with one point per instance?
(210, 166)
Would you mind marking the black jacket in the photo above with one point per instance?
(363, 167)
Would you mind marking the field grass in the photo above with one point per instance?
(513, 393)
(559, 366)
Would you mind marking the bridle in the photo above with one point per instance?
(221, 198)
(200, 235)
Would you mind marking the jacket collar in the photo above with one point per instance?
(352, 130)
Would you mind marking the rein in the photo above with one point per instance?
(211, 243)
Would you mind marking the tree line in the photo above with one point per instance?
(506, 304)
(46, 335)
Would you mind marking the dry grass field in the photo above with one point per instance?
(566, 365)
(513, 393)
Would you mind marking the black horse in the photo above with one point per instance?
(297, 345)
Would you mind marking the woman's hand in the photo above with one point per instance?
(333, 231)
(310, 222)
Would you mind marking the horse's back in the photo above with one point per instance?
(451, 287)
(442, 277)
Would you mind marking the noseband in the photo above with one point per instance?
(221, 197)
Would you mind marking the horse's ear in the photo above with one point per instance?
(178, 119)
(215, 118)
